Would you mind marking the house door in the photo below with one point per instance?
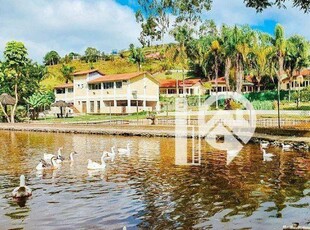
(83, 106)
(124, 109)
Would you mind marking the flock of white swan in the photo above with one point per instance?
(51, 161)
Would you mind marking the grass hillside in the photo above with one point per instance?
(118, 64)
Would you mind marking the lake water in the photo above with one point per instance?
(147, 190)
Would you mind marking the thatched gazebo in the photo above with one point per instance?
(61, 104)
(5, 100)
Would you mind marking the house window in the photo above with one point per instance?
(171, 91)
(70, 90)
(108, 85)
(94, 86)
(122, 103)
(98, 106)
(118, 84)
(60, 91)
(92, 109)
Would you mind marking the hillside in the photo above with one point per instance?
(118, 64)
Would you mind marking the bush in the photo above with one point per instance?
(266, 95)
(263, 105)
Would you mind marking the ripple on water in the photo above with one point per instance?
(147, 190)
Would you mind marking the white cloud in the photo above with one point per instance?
(65, 25)
(235, 12)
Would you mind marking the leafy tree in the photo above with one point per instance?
(260, 60)
(153, 15)
(260, 5)
(67, 71)
(136, 56)
(15, 55)
(39, 100)
(91, 54)
(297, 56)
(18, 75)
(51, 58)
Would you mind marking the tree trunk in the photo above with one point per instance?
(216, 83)
(227, 69)
(258, 78)
(239, 76)
(15, 105)
(5, 112)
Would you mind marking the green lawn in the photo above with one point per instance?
(89, 118)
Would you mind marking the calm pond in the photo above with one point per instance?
(147, 189)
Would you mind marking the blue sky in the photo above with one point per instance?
(67, 25)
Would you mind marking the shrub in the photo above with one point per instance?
(263, 105)
(266, 95)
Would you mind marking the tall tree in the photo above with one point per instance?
(91, 54)
(154, 15)
(260, 5)
(51, 58)
(182, 34)
(136, 56)
(261, 56)
(215, 51)
(15, 55)
(297, 57)
(280, 49)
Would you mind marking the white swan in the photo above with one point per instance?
(71, 155)
(267, 156)
(124, 151)
(264, 144)
(110, 155)
(94, 165)
(22, 190)
(286, 146)
(44, 165)
(59, 158)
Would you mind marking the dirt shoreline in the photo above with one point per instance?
(129, 130)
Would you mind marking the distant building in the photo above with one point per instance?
(172, 87)
(248, 85)
(298, 81)
(94, 92)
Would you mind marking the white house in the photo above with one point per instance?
(94, 92)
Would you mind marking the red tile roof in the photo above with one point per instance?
(87, 72)
(220, 80)
(304, 72)
(171, 83)
(116, 77)
(68, 85)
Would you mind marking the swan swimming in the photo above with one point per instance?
(124, 151)
(264, 144)
(110, 155)
(267, 156)
(22, 190)
(94, 165)
(44, 165)
(59, 158)
(286, 146)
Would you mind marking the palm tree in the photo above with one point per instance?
(228, 50)
(260, 65)
(215, 51)
(67, 72)
(280, 48)
(296, 56)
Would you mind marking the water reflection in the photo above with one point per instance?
(147, 189)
